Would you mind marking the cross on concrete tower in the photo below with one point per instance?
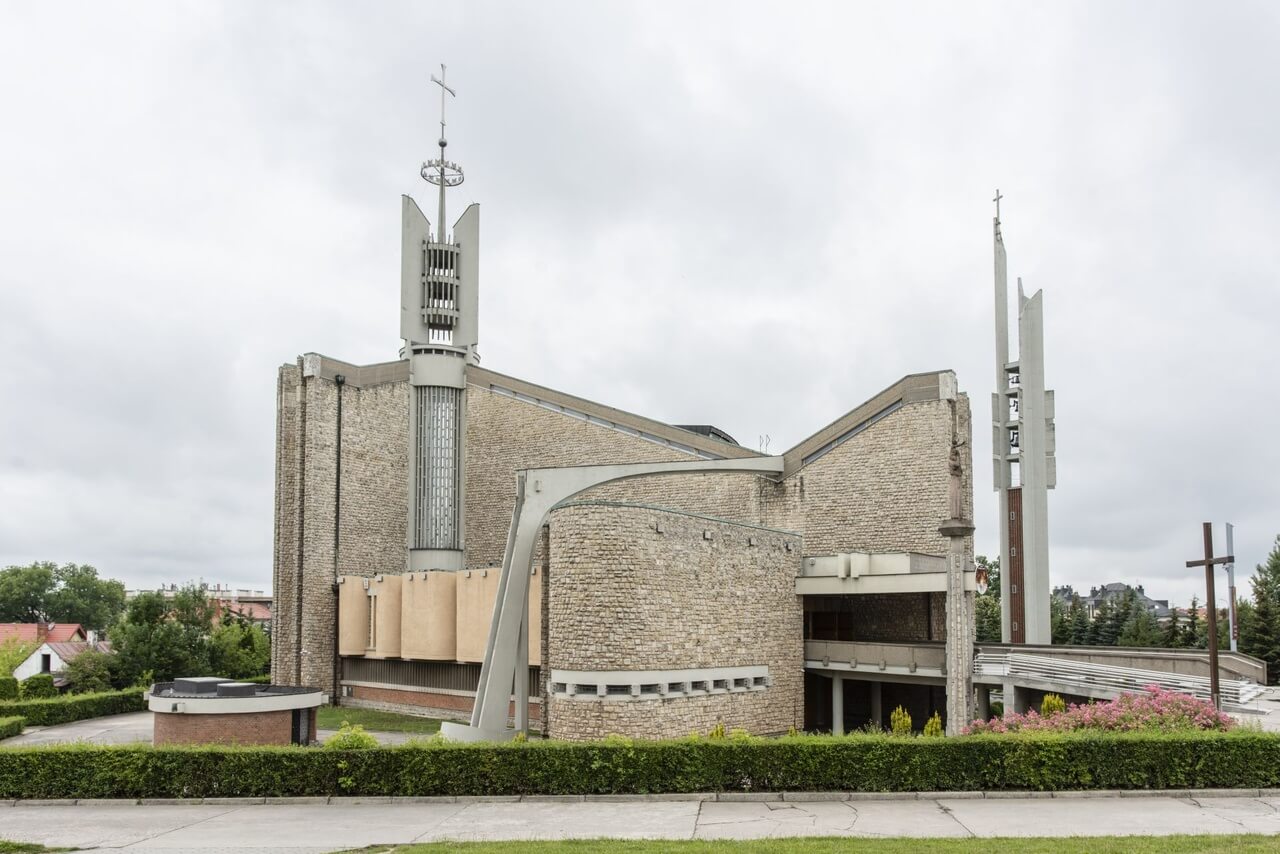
(439, 81)
(996, 199)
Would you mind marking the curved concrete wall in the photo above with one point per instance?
(385, 613)
(429, 616)
(353, 615)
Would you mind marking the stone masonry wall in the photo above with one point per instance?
(373, 512)
(504, 435)
(884, 489)
(626, 597)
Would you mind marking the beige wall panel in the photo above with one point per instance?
(477, 589)
(429, 616)
(353, 616)
(386, 591)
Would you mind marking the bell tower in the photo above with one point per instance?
(1024, 446)
(439, 316)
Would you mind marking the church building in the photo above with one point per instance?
(678, 582)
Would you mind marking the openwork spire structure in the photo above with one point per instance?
(439, 320)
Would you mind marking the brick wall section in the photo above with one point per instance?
(247, 728)
(625, 597)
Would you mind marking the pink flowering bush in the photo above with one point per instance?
(1156, 710)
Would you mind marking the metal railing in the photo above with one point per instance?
(1093, 679)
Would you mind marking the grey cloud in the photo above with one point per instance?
(712, 213)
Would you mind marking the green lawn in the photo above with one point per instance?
(25, 848)
(331, 717)
(1073, 845)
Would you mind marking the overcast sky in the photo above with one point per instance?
(755, 216)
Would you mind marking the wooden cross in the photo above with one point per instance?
(1209, 563)
(997, 201)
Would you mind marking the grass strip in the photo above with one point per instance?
(331, 717)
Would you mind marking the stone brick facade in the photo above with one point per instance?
(373, 512)
(700, 593)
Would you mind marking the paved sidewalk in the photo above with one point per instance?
(320, 827)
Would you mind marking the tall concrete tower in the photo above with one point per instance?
(1025, 467)
(439, 319)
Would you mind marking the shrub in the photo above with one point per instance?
(933, 726)
(10, 727)
(8, 688)
(900, 721)
(1156, 710)
(350, 737)
(12, 653)
(38, 687)
(63, 710)
(1051, 705)
(1034, 761)
(89, 672)
(717, 731)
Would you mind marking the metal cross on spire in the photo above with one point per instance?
(443, 173)
(996, 199)
(444, 89)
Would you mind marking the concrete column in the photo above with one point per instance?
(837, 705)
(877, 704)
(960, 631)
(1016, 700)
(983, 710)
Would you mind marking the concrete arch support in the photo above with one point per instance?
(538, 491)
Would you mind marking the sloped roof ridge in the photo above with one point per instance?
(912, 388)
(485, 377)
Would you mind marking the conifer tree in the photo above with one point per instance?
(1078, 621)
(1171, 637)
(1193, 632)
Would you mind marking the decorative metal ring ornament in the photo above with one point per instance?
(442, 173)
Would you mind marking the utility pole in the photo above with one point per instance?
(1209, 563)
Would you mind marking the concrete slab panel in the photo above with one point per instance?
(525, 820)
(336, 827)
(1118, 817)
(98, 827)
(773, 820)
(905, 818)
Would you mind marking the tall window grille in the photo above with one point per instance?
(438, 466)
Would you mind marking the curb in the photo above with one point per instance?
(674, 797)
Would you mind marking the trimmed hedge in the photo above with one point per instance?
(852, 763)
(38, 687)
(76, 707)
(10, 727)
(8, 688)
